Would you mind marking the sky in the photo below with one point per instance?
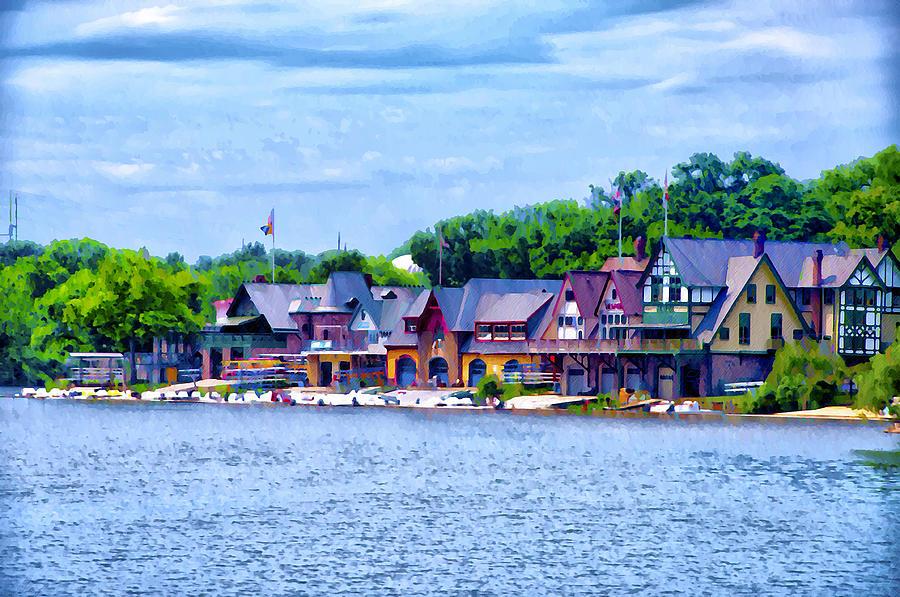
(179, 126)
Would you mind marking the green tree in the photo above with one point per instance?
(879, 385)
(131, 300)
(343, 261)
(873, 208)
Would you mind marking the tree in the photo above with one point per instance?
(879, 385)
(873, 209)
(343, 261)
(131, 299)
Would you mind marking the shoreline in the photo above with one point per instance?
(437, 401)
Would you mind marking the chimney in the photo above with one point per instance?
(369, 281)
(817, 268)
(640, 246)
(759, 244)
(880, 243)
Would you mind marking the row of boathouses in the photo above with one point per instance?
(697, 315)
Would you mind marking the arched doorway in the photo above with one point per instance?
(406, 371)
(437, 368)
(477, 369)
(511, 370)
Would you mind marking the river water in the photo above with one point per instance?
(99, 499)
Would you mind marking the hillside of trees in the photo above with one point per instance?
(82, 295)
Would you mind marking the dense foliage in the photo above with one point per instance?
(880, 382)
(707, 198)
(803, 377)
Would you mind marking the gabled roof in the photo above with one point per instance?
(517, 306)
(739, 271)
(626, 287)
(272, 301)
(704, 262)
(478, 289)
(588, 288)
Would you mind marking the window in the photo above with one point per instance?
(570, 295)
(798, 334)
(517, 331)
(614, 294)
(776, 325)
(751, 293)
(501, 332)
(770, 294)
(724, 334)
(561, 320)
(483, 331)
(615, 319)
(581, 321)
(362, 316)
(325, 335)
(603, 334)
(624, 319)
(570, 321)
(410, 326)
(805, 297)
(744, 328)
(603, 319)
(829, 296)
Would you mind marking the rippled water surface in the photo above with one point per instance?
(214, 500)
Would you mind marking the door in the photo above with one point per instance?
(575, 384)
(477, 369)
(633, 379)
(406, 371)
(608, 380)
(666, 383)
(325, 373)
(437, 368)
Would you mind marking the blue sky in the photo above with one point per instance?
(178, 126)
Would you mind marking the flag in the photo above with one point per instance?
(618, 198)
(269, 228)
(666, 191)
(441, 240)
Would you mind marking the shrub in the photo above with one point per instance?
(802, 378)
(881, 383)
(511, 390)
(489, 386)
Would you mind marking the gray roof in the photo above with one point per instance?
(738, 272)
(588, 287)
(477, 288)
(518, 306)
(272, 301)
(704, 262)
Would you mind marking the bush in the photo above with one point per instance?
(489, 386)
(802, 378)
(879, 385)
(511, 390)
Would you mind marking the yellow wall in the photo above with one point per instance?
(314, 360)
(495, 362)
(394, 354)
(449, 350)
(760, 316)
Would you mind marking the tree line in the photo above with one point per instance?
(708, 198)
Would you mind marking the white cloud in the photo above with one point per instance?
(371, 155)
(154, 15)
(122, 171)
(786, 40)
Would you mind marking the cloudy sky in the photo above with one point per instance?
(179, 126)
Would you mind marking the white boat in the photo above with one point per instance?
(690, 406)
(663, 408)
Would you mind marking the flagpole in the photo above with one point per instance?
(273, 245)
(666, 206)
(440, 257)
(620, 235)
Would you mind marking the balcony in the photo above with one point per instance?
(629, 345)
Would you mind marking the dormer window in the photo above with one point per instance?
(410, 326)
(501, 332)
(483, 331)
(517, 331)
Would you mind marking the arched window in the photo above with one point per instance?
(324, 334)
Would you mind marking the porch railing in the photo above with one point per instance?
(670, 345)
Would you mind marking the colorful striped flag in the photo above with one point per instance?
(269, 228)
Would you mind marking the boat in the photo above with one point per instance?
(893, 428)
